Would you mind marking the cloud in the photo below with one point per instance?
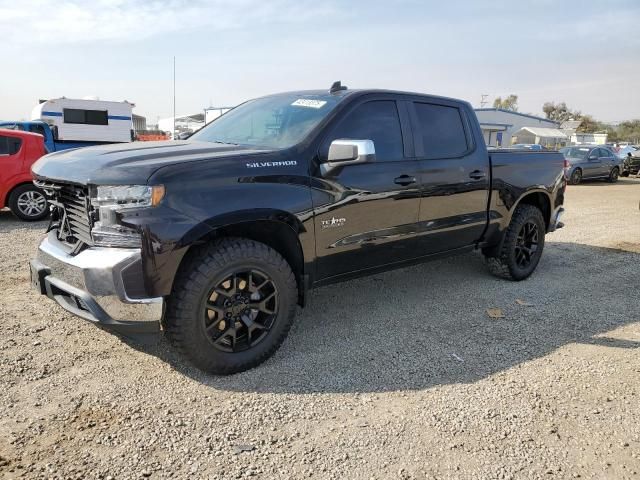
(72, 21)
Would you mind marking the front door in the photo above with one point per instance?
(592, 166)
(365, 214)
(454, 174)
(10, 161)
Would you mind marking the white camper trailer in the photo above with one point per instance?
(87, 120)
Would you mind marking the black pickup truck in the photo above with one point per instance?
(216, 239)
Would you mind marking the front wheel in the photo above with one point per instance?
(521, 247)
(27, 202)
(613, 176)
(232, 305)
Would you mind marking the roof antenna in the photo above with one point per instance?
(337, 87)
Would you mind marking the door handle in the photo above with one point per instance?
(404, 180)
(477, 174)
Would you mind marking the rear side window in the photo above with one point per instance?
(442, 130)
(9, 145)
(377, 121)
(605, 153)
(39, 129)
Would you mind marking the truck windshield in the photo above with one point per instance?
(575, 152)
(278, 121)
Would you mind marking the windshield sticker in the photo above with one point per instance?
(583, 149)
(303, 102)
(288, 163)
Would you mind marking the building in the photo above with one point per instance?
(589, 138)
(139, 123)
(547, 137)
(211, 113)
(184, 124)
(498, 125)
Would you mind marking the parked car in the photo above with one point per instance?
(528, 146)
(588, 162)
(18, 151)
(623, 151)
(631, 165)
(217, 238)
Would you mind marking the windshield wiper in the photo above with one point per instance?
(224, 143)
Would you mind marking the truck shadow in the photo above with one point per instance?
(427, 325)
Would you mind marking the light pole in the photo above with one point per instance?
(174, 97)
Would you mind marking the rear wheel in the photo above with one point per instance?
(613, 176)
(232, 305)
(518, 255)
(27, 202)
(576, 177)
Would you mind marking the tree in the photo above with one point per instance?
(629, 131)
(590, 125)
(509, 103)
(560, 112)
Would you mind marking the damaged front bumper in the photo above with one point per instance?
(103, 285)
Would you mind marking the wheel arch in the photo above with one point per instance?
(538, 198)
(278, 230)
(4, 201)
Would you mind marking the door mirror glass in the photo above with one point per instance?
(348, 152)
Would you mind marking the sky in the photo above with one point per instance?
(585, 53)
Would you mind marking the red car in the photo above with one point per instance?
(18, 151)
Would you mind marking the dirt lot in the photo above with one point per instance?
(400, 375)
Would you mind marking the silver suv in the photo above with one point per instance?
(585, 162)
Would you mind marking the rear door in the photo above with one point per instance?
(609, 160)
(365, 214)
(454, 172)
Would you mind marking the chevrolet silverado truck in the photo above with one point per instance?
(216, 240)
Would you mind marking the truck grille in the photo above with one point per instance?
(72, 212)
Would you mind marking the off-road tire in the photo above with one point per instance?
(20, 192)
(502, 261)
(576, 177)
(202, 270)
(613, 176)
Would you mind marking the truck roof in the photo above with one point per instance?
(364, 91)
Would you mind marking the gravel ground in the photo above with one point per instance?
(400, 375)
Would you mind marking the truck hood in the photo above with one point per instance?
(131, 163)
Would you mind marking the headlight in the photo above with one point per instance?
(109, 201)
(128, 196)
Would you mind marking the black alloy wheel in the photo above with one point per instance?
(232, 305)
(526, 244)
(519, 252)
(240, 311)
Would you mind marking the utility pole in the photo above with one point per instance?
(174, 97)
(483, 100)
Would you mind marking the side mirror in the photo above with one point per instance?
(54, 132)
(348, 152)
(593, 157)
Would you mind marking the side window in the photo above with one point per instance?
(377, 121)
(442, 130)
(86, 117)
(39, 129)
(9, 145)
(602, 153)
